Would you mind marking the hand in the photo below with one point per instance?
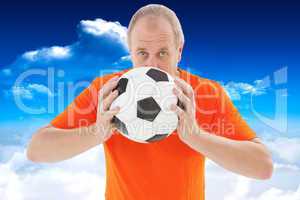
(106, 96)
(186, 113)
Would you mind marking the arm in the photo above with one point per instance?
(51, 144)
(246, 157)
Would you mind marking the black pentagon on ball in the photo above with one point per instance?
(147, 109)
(157, 75)
(121, 86)
(119, 125)
(157, 137)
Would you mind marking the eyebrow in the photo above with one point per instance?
(140, 49)
(143, 49)
(164, 48)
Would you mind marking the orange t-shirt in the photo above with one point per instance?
(166, 169)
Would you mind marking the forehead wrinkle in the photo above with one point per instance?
(162, 36)
(150, 41)
(144, 46)
(159, 42)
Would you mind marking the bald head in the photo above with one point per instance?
(154, 12)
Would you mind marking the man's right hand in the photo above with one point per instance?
(51, 144)
(105, 115)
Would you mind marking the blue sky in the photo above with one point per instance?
(232, 42)
(251, 48)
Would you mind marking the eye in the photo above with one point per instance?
(142, 53)
(163, 53)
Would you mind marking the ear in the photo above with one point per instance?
(179, 50)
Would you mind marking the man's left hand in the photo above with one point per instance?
(186, 113)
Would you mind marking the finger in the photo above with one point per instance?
(182, 97)
(108, 87)
(178, 111)
(100, 104)
(108, 115)
(109, 99)
(114, 78)
(180, 105)
(185, 87)
(104, 91)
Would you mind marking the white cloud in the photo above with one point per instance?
(236, 89)
(123, 60)
(277, 194)
(22, 92)
(101, 27)
(290, 167)
(7, 151)
(271, 194)
(54, 52)
(222, 184)
(80, 178)
(287, 149)
(31, 55)
(51, 183)
(99, 46)
(232, 92)
(241, 189)
(27, 92)
(17, 132)
(83, 178)
(40, 89)
(284, 184)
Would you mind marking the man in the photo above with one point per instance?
(173, 168)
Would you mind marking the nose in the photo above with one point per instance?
(152, 61)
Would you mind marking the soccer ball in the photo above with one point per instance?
(145, 96)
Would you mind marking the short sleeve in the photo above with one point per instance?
(227, 121)
(81, 112)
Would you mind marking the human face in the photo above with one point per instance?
(153, 44)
